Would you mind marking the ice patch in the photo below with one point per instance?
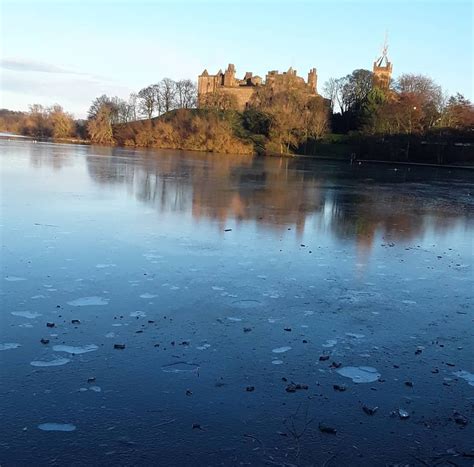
(360, 374)
(277, 362)
(355, 335)
(9, 346)
(89, 301)
(75, 350)
(330, 343)
(110, 335)
(469, 377)
(26, 314)
(137, 314)
(215, 287)
(35, 297)
(14, 279)
(148, 295)
(57, 427)
(180, 367)
(55, 362)
(281, 349)
(96, 388)
(308, 312)
(203, 346)
(231, 318)
(246, 303)
(104, 266)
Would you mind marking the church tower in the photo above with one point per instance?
(382, 70)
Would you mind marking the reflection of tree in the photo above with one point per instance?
(282, 193)
(52, 155)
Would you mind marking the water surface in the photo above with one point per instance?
(188, 291)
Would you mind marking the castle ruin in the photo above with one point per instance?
(243, 89)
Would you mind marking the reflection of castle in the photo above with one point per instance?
(243, 89)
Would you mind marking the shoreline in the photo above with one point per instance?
(84, 142)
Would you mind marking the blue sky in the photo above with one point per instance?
(69, 52)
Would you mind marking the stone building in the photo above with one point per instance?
(243, 89)
(382, 71)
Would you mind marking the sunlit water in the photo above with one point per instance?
(188, 291)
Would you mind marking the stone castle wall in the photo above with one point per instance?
(243, 89)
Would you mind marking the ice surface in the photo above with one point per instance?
(281, 349)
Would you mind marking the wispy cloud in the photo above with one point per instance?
(17, 64)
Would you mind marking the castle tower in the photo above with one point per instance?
(229, 76)
(313, 80)
(382, 70)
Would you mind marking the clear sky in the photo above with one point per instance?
(69, 51)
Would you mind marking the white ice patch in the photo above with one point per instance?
(148, 295)
(110, 335)
(469, 377)
(75, 350)
(104, 266)
(231, 318)
(281, 349)
(215, 287)
(9, 346)
(203, 346)
(14, 279)
(57, 427)
(277, 362)
(89, 301)
(355, 335)
(26, 314)
(137, 314)
(360, 374)
(35, 297)
(330, 343)
(55, 362)
(96, 388)
(308, 312)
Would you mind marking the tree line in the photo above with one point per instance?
(279, 119)
(413, 104)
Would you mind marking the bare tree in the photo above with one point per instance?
(168, 94)
(186, 94)
(147, 101)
